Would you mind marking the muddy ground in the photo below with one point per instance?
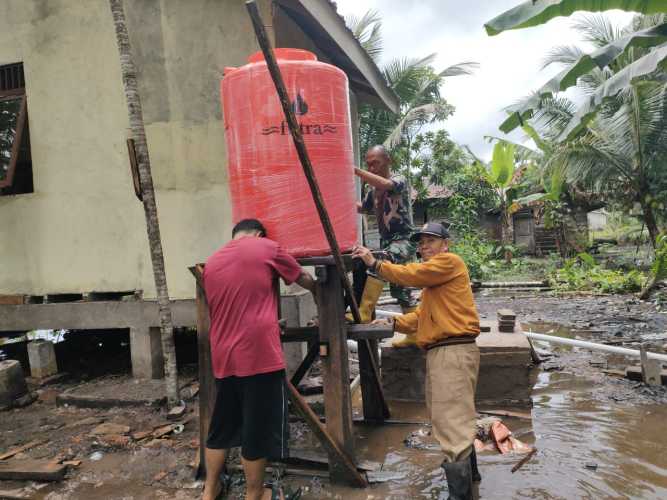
(597, 435)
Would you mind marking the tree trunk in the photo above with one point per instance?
(135, 113)
(507, 229)
(649, 220)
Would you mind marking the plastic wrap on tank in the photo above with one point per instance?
(265, 176)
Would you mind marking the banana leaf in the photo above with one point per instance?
(536, 12)
(621, 80)
(567, 78)
(502, 164)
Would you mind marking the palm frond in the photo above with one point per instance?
(419, 113)
(564, 55)
(464, 68)
(597, 29)
(642, 22)
(617, 83)
(368, 31)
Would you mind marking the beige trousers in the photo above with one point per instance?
(451, 379)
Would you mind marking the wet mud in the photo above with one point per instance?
(597, 435)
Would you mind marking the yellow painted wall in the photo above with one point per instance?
(82, 229)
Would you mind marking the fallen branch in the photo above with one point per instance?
(522, 462)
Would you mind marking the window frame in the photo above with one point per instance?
(6, 95)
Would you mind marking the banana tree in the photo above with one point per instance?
(501, 175)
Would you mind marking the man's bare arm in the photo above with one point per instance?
(376, 181)
(305, 280)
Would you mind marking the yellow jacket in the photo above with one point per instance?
(447, 308)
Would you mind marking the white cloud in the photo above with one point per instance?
(509, 63)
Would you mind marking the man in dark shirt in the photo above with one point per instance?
(248, 364)
(387, 200)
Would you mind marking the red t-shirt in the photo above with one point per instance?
(239, 280)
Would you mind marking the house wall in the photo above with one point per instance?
(82, 229)
(597, 220)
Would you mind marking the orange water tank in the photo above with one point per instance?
(265, 176)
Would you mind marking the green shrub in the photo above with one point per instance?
(476, 252)
(583, 273)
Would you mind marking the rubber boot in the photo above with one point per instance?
(410, 339)
(476, 476)
(459, 479)
(372, 291)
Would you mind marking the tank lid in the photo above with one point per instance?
(285, 54)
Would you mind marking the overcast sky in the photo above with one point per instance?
(509, 63)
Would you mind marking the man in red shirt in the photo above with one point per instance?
(248, 365)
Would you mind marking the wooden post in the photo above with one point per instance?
(374, 405)
(207, 391)
(335, 368)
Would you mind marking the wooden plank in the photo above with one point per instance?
(22, 448)
(206, 378)
(369, 332)
(32, 470)
(311, 356)
(310, 458)
(11, 300)
(354, 332)
(352, 475)
(300, 146)
(335, 367)
(325, 260)
(507, 413)
(300, 334)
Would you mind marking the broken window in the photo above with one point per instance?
(15, 159)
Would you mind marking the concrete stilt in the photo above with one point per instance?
(146, 352)
(42, 357)
(12, 382)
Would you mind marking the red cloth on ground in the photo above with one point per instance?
(239, 280)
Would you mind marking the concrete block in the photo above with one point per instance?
(146, 353)
(12, 382)
(298, 308)
(42, 358)
(504, 372)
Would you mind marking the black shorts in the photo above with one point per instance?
(251, 412)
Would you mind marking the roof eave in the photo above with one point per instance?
(324, 13)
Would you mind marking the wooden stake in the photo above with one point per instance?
(207, 391)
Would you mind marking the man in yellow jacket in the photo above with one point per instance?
(446, 325)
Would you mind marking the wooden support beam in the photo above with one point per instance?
(352, 475)
(313, 353)
(374, 405)
(354, 332)
(206, 379)
(335, 368)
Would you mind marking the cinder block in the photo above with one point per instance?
(42, 357)
(504, 375)
(298, 308)
(12, 382)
